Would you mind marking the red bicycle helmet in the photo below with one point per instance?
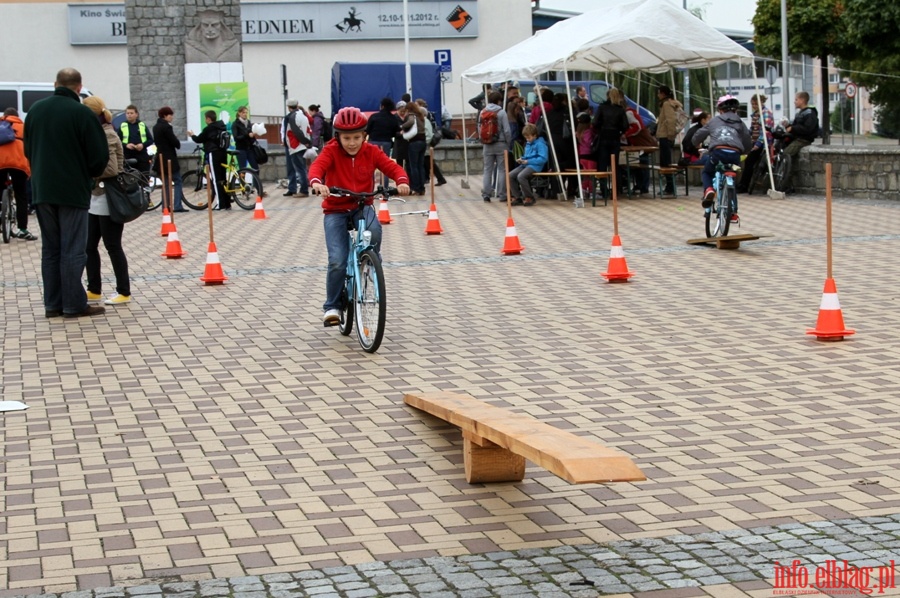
(349, 120)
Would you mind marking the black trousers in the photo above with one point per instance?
(102, 227)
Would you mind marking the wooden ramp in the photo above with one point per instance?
(727, 242)
(496, 443)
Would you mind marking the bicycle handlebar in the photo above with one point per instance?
(380, 191)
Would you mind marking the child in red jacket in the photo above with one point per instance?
(347, 161)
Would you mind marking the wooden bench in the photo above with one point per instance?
(593, 174)
(496, 443)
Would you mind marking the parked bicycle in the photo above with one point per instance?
(241, 183)
(363, 297)
(8, 210)
(781, 164)
(719, 215)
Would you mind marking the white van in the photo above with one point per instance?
(22, 96)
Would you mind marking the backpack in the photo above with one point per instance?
(489, 129)
(7, 133)
(223, 140)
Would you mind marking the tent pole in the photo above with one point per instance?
(773, 193)
(712, 102)
(465, 136)
(572, 127)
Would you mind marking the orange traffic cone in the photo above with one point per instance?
(434, 223)
(617, 269)
(511, 245)
(830, 325)
(384, 214)
(213, 273)
(173, 247)
(258, 212)
(167, 225)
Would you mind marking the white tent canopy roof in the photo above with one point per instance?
(645, 35)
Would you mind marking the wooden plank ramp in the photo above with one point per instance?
(727, 242)
(496, 443)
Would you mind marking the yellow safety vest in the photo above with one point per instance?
(142, 128)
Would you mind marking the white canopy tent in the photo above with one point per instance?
(644, 35)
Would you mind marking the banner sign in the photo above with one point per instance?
(304, 21)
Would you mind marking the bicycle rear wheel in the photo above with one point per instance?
(244, 188)
(6, 210)
(718, 217)
(760, 176)
(781, 170)
(193, 184)
(153, 191)
(371, 302)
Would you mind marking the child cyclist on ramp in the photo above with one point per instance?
(348, 162)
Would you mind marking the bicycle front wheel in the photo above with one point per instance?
(193, 184)
(6, 212)
(371, 302)
(244, 188)
(346, 325)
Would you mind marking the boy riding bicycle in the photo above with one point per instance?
(349, 162)
(729, 138)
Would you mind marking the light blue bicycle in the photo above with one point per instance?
(363, 296)
(718, 216)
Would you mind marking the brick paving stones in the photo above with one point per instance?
(216, 441)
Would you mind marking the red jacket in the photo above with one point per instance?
(12, 155)
(336, 168)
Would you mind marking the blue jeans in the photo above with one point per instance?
(417, 166)
(291, 175)
(717, 155)
(338, 245)
(63, 255)
(300, 177)
(247, 158)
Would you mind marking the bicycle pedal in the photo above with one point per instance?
(331, 324)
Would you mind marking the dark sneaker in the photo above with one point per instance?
(53, 313)
(486, 199)
(517, 202)
(709, 198)
(288, 194)
(90, 310)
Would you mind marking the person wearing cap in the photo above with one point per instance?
(100, 225)
(62, 190)
(292, 106)
(348, 162)
(296, 124)
(317, 124)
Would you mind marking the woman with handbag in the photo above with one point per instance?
(100, 225)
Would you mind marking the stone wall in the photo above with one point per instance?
(156, 32)
(865, 173)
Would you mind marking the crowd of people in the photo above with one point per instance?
(73, 214)
(600, 135)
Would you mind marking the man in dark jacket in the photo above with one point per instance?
(61, 190)
(803, 131)
(608, 126)
(215, 156)
(167, 146)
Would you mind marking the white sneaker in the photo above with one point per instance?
(117, 299)
(331, 316)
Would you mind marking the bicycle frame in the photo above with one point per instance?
(718, 216)
(359, 242)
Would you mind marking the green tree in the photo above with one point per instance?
(815, 27)
(842, 118)
(872, 48)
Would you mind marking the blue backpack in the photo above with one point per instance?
(7, 133)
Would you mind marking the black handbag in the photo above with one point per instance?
(126, 198)
(262, 156)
